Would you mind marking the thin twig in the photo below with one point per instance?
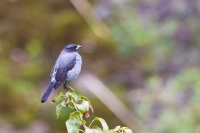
(81, 130)
(91, 123)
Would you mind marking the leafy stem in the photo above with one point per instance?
(81, 105)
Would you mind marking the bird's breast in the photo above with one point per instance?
(74, 72)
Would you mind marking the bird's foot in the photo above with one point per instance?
(65, 86)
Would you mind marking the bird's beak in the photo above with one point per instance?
(78, 46)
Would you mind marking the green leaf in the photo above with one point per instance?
(112, 131)
(97, 129)
(73, 95)
(94, 129)
(103, 123)
(73, 122)
(59, 96)
(75, 115)
(63, 104)
(72, 126)
(85, 98)
(88, 130)
(126, 130)
(83, 106)
(58, 108)
(116, 128)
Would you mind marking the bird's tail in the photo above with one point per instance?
(48, 91)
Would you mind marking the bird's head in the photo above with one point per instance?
(71, 48)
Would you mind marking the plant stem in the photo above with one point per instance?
(91, 122)
(81, 130)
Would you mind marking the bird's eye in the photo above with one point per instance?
(72, 48)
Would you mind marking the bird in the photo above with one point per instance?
(66, 69)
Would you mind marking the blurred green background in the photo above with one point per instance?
(147, 52)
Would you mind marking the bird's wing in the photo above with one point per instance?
(59, 72)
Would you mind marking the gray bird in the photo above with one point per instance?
(66, 69)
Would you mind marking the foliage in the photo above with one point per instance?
(81, 105)
(152, 66)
